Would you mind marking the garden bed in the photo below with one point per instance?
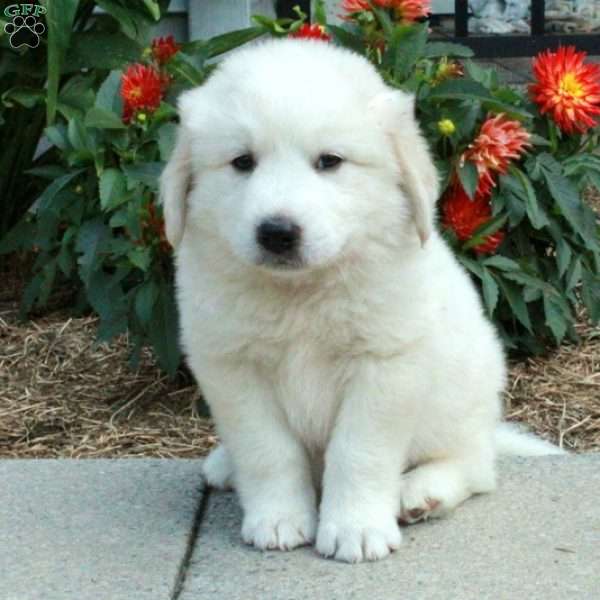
(64, 396)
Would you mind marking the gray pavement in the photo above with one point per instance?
(537, 537)
(95, 529)
(141, 530)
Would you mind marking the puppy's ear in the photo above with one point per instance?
(176, 179)
(175, 183)
(395, 113)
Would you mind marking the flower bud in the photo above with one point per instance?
(446, 127)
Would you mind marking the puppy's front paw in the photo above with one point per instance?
(354, 541)
(270, 530)
(218, 469)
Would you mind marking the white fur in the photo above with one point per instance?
(373, 359)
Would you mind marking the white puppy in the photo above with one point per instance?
(336, 339)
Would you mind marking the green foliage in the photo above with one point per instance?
(97, 225)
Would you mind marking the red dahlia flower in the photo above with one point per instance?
(464, 216)
(500, 140)
(164, 48)
(566, 89)
(141, 90)
(311, 32)
(405, 11)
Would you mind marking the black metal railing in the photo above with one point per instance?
(492, 45)
(512, 45)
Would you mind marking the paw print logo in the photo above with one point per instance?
(24, 31)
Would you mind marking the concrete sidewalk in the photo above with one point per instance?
(141, 530)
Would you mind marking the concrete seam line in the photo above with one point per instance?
(191, 544)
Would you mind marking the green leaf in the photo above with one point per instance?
(50, 172)
(167, 135)
(101, 50)
(464, 89)
(113, 189)
(57, 134)
(153, 9)
(25, 96)
(319, 12)
(486, 76)
(519, 183)
(146, 173)
(574, 274)
(460, 89)
(103, 119)
(469, 177)
(108, 96)
(514, 296)
(76, 96)
(515, 207)
(82, 139)
(90, 240)
(183, 67)
(30, 295)
(18, 238)
(567, 199)
(563, 256)
(555, 318)
(106, 296)
(140, 257)
(48, 277)
(59, 22)
(228, 41)
(163, 332)
(65, 258)
(347, 39)
(405, 47)
(490, 292)
(129, 20)
(471, 265)
(502, 262)
(531, 281)
(590, 293)
(538, 140)
(485, 230)
(44, 202)
(145, 299)
(440, 49)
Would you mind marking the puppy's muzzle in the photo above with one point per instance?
(280, 238)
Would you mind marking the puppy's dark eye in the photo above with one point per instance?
(328, 161)
(245, 162)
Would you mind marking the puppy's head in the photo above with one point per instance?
(295, 154)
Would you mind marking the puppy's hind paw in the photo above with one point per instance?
(218, 469)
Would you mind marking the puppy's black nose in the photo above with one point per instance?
(278, 235)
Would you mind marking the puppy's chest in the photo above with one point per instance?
(309, 388)
(308, 358)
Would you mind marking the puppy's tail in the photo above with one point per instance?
(512, 441)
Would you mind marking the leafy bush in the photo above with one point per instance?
(513, 178)
(30, 81)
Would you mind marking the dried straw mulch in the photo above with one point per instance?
(63, 395)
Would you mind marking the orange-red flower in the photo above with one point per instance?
(141, 90)
(500, 140)
(312, 32)
(567, 89)
(464, 216)
(405, 11)
(164, 48)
